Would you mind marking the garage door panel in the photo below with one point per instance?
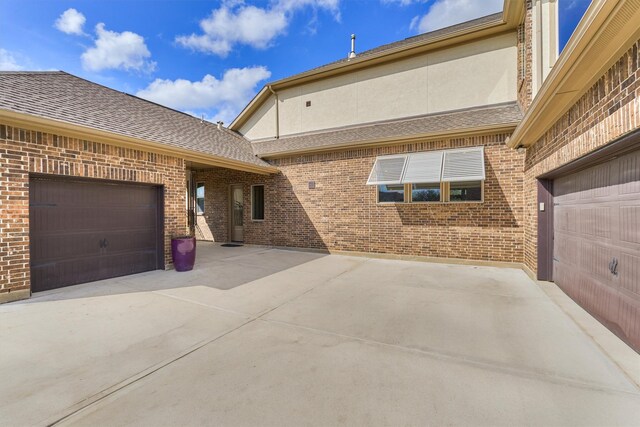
(629, 272)
(594, 222)
(630, 223)
(129, 240)
(566, 249)
(566, 189)
(597, 242)
(50, 275)
(128, 263)
(83, 231)
(594, 259)
(599, 181)
(629, 174)
(599, 298)
(629, 319)
(50, 247)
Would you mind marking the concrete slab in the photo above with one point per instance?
(486, 314)
(58, 352)
(266, 374)
(272, 337)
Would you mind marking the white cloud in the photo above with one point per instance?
(112, 50)
(235, 23)
(8, 62)
(71, 22)
(402, 2)
(444, 13)
(218, 99)
(225, 27)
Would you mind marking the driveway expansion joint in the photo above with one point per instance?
(477, 363)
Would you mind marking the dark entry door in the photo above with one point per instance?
(82, 231)
(597, 242)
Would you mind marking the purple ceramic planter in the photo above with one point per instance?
(183, 253)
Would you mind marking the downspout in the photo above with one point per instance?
(277, 112)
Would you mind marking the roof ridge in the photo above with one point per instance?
(34, 72)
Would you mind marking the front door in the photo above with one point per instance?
(237, 213)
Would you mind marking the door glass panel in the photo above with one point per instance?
(238, 207)
(200, 198)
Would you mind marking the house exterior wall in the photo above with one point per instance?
(607, 110)
(341, 213)
(217, 193)
(25, 151)
(525, 58)
(473, 74)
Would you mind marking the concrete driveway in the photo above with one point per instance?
(257, 336)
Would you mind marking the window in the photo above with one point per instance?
(391, 193)
(257, 202)
(470, 191)
(425, 192)
(200, 198)
(455, 175)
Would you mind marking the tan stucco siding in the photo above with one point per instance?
(480, 73)
(262, 123)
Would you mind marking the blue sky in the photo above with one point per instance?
(210, 57)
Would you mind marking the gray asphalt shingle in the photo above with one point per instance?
(64, 97)
(433, 124)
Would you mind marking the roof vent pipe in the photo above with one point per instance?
(352, 54)
(220, 123)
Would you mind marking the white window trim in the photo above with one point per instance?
(263, 203)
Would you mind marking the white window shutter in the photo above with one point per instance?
(388, 170)
(466, 164)
(423, 168)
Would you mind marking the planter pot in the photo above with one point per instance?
(183, 252)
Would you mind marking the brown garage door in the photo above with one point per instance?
(82, 231)
(597, 242)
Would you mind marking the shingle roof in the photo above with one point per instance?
(409, 41)
(64, 97)
(433, 124)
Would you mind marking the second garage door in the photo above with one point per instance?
(82, 231)
(597, 242)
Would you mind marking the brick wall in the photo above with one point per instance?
(217, 190)
(525, 58)
(24, 151)
(341, 213)
(609, 109)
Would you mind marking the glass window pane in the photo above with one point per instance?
(470, 191)
(257, 202)
(425, 192)
(390, 193)
(200, 198)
